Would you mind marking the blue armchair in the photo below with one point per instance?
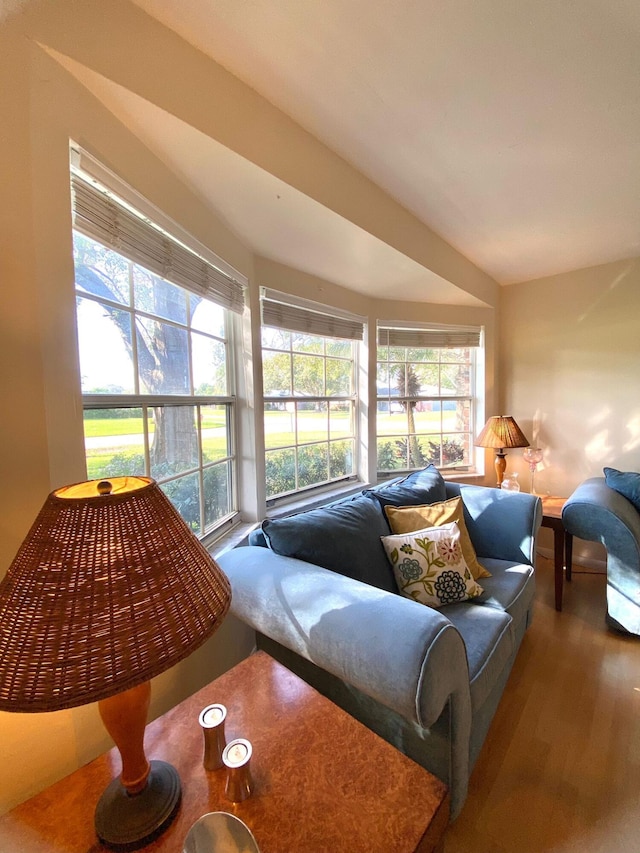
(598, 513)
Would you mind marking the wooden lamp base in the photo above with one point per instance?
(127, 822)
(140, 804)
(500, 465)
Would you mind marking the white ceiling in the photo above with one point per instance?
(512, 129)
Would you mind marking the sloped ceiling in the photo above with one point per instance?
(407, 149)
(511, 129)
(271, 217)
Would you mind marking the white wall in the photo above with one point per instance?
(570, 374)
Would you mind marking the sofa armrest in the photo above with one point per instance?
(351, 630)
(406, 656)
(600, 514)
(502, 525)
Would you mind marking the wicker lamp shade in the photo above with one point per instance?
(109, 589)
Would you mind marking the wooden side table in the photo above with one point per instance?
(322, 781)
(562, 542)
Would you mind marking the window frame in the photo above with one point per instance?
(227, 463)
(415, 333)
(91, 402)
(294, 401)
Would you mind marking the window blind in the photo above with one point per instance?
(446, 337)
(295, 318)
(100, 216)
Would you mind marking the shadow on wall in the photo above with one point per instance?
(593, 376)
(631, 268)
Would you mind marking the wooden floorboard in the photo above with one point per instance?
(560, 769)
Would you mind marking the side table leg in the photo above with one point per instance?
(558, 555)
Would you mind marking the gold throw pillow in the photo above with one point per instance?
(407, 519)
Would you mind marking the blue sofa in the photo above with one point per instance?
(428, 681)
(598, 512)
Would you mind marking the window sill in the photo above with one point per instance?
(238, 534)
(300, 504)
(446, 474)
(230, 539)
(457, 476)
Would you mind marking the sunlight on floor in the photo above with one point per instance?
(560, 768)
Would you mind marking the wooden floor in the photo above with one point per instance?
(560, 769)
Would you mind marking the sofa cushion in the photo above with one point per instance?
(626, 483)
(420, 487)
(404, 519)
(429, 565)
(344, 537)
(489, 642)
(511, 588)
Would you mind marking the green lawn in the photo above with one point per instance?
(312, 426)
(106, 457)
(94, 427)
(279, 426)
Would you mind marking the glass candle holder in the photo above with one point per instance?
(533, 456)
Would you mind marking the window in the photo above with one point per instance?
(309, 362)
(425, 394)
(154, 359)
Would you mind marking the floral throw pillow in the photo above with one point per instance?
(429, 566)
(405, 519)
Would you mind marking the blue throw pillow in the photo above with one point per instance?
(420, 487)
(627, 483)
(343, 537)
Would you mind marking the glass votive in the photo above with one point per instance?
(211, 720)
(236, 758)
(510, 483)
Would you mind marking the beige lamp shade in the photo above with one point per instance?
(501, 432)
(109, 589)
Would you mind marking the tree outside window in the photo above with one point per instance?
(153, 360)
(309, 410)
(424, 407)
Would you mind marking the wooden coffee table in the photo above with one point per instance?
(323, 782)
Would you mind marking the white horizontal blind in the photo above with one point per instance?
(98, 215)
(445, 337)
(297, 319)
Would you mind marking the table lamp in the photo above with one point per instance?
(109, 589)
(500, 432)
